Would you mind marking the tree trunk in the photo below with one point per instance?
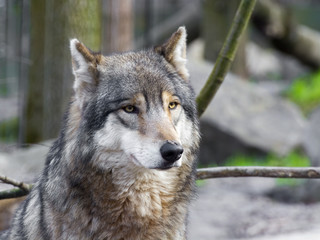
(53, 23)
(118, 29)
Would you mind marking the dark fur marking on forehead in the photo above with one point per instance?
(146, 99)
(160, 98)
(96, 113)
(94, 119)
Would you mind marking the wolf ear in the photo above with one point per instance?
(175, 51)
(84, 66)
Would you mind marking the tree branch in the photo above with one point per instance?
(21, 190)
(226, 55)
(13, 193)
(273, 172)
(204, 173)
(23, 186)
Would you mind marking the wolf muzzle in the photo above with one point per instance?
(171, 151)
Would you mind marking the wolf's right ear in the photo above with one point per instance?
(84, 66)
(174, 51)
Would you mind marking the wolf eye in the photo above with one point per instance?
(172, 105)
(130, 109)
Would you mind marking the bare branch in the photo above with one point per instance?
(203, 173)
(13, 193)
(273, 172)
(21, 190)
(23, 186)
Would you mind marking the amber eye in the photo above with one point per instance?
(130, 109)
(172, 105)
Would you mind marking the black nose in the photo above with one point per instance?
(171, 151)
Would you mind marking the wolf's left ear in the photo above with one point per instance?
(175, 51)
(84, 66)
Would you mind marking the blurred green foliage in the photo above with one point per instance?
(200, 182)
(3, 90)
(305, 92)
(9, 130)
(294, 159)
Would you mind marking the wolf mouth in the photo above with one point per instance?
(135, 160)
(161, 167)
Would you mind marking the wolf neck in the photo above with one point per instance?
(140, 206)
(147, 191)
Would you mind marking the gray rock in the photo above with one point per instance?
(274, 87)
(217, 145)
(312, 234)
(311, 140)
(237, 209)
(308, 192)
(261, 63)
(256, 118)
(270, 63)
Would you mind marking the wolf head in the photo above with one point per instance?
(135, 108)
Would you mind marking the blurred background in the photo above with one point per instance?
(266, 112)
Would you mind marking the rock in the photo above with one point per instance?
(261, 63)
(217, 145)
(311, 234)
(236, 208)
(307, 192)
(268, 63)
(273, 87)
(251, 115)
(311, 140)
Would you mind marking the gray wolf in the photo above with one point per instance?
(124, 164)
